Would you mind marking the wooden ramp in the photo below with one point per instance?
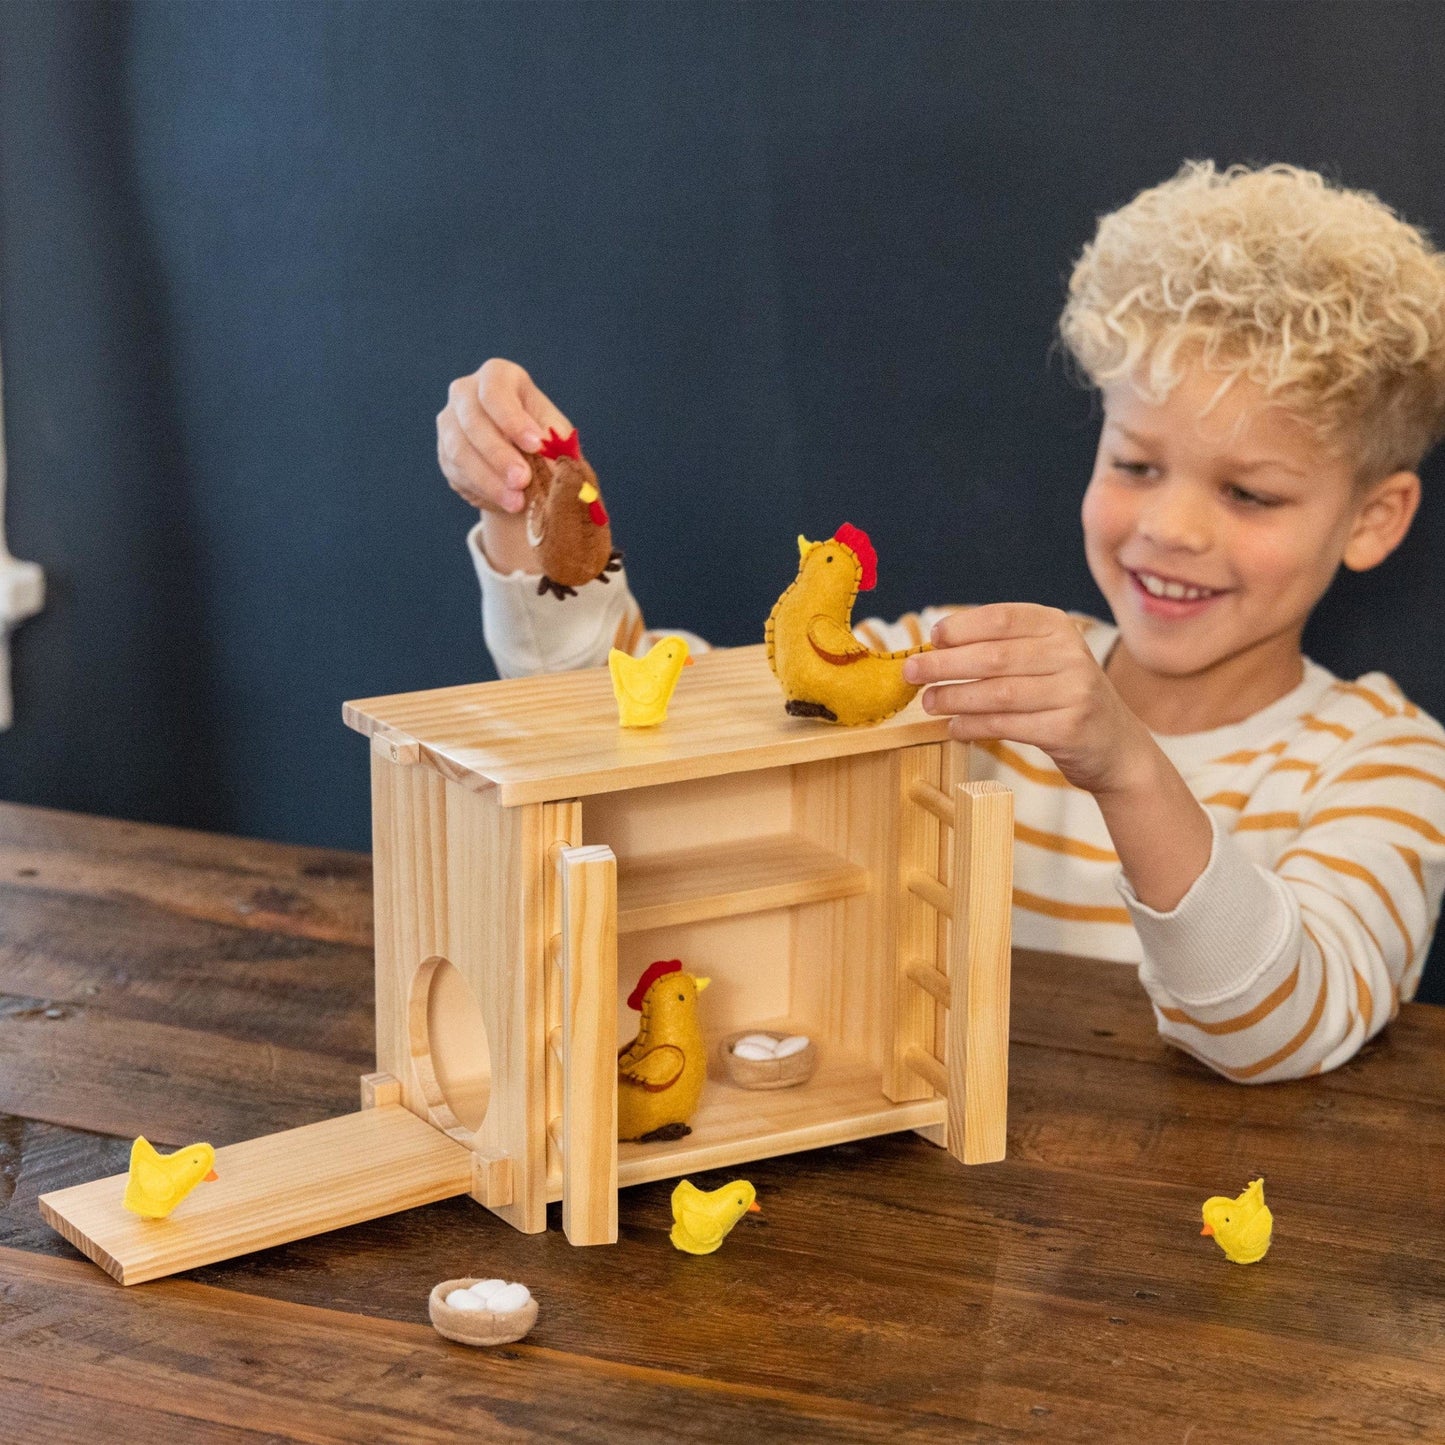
(269, 1191)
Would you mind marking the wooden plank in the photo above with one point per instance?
(841, 1102)
(979, 973)
(721, 880)
(268, 1191)
(543, 738)
(248, 883)
(841, 950)
(909, 1010)
(497, 862)
(223, 1363)
(91, 1069)
(589, 1044)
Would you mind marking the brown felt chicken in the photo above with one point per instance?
(660, 1074)
(825, 671)
(566, 521)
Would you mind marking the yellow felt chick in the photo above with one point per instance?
(643, 685)
(1241, 1227)
(825, 671)
(702, 1221)
(660, 1074)
(158, 1182)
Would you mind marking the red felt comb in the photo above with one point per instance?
(855, 539)
(554, 446)
(653, 972)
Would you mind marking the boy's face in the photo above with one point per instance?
(1242, 502)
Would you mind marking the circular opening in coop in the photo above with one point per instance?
(449, 1048)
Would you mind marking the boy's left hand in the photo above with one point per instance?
(1035, 681)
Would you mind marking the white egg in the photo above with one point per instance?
(511, 1298)
(792, 1045)
(484, 1289)
(744, 1050)
(464, 1299)
(757, 1041)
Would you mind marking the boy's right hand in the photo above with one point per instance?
(492, 420)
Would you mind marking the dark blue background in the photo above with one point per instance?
(784, 264)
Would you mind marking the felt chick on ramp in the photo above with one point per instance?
(1241, 1227)
(825, 671)
(158, 1182)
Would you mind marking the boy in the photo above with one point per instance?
(1192, 795)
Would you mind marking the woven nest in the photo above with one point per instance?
(477, 1327)
(767, 1073)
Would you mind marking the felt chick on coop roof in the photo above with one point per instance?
(566, 521)
(158, 1182)
(660, 1074)
(1241, 1227)
(701, 1221)
(643, 686)
(825, 671)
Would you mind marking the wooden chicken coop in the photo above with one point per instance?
(532, 858)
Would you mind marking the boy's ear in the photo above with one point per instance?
(1381, 520)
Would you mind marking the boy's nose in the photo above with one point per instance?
(1174, 518)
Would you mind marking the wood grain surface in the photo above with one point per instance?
(190, 986)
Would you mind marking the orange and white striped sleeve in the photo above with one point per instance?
(1270, 974)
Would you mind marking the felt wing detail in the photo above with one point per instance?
(833, 642)
(657, 1069)
(690, 1208)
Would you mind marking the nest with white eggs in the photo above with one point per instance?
(489, 1312)
(764, 1059)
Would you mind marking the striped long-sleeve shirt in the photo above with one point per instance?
(1312, 918)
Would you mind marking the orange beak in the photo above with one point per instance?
(1208, 1229)
(212, 1175)
(755, 1207)
(687, 662)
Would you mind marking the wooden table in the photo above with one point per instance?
(190, 986)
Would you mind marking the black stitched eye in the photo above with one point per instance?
(682, 998)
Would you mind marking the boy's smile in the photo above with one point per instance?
(1212, 536)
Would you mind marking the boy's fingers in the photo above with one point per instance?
(993, 619)
(541, 407)
(994, 657)
(469, 472)
(480, 429)
(519, 410)
(991, 695)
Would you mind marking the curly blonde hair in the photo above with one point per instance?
(1322, 296)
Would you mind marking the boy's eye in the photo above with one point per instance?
(1132, 469)
(1252, 499)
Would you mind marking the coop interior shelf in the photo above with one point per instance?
(722, 880)
(843, 1100)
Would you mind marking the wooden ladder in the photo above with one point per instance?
(973, 825)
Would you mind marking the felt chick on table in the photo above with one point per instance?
(701, 1221)
(644, 686)
(1241, 1227)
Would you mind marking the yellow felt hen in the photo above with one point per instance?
(643, 685)
(702, 1221)
(158, 1182)
(825, 671)
(1241, 1227)
(660, 1074)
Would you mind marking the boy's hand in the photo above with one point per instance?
(492, 418)
(1034, 681)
